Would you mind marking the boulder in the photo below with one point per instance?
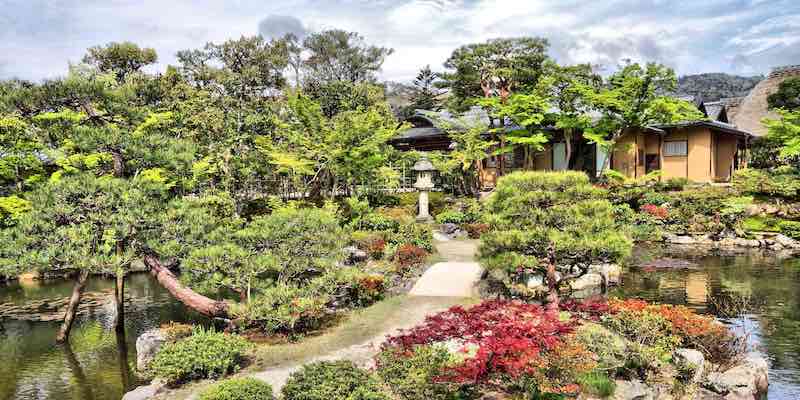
(536, 282)
(786, 241)
(147, 345)
(748, 379)
(145, 392)
(590, 280)
(354, 255)
(690, 360)
(448, 229)
(440, 237)
(675, 239)
(633, 390)
(611, 272)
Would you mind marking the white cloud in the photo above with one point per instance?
(39, 37)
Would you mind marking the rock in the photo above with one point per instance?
(770, 209)
(354, 255)
(752, 210)
(786, 241)
(612, 273)
(147, 345)
(746, 380)
(590, 280)
(742, 242)
(633, 390)
(145, 392)
(440, 237)
(690, 360)
(681, 239)
(535, 282)
(448, 229)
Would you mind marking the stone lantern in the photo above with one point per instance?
(424, 170)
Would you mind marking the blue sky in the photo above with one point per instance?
(39, 38)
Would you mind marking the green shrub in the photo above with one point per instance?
(419, 235)
(451, 217)
(413, 377)
(609, 347)
(377, 222)
(790, 229)
(782, 182)
(650, 339)
(533, 213)
(331, 380)
(674, 184)
(285, 308)
(11, 209)
(597, 383)
(204, 354)
(239, 389)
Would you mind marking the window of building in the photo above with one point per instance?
(678, 148)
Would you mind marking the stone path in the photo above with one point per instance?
(443, 285)
(455, 277)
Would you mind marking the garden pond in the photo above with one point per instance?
(99, 363)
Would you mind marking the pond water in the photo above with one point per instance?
(98, 364)
(772, 282)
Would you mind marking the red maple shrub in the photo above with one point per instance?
(408, 256)
(656, 211)
(375, 248)
(476, 230)
(508, 338)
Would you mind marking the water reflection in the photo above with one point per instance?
(99, 362)
(774, 282)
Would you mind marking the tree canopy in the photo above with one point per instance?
(787, 96)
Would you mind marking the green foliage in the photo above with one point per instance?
(761, 224)
(11, 209)
(539, 214)
(121, 59)
(790, 229)
(239, 389)
(494, 67)
(787, 96)
(326, 380)
(377, 222)
(451, 217)
(284, 308)
(650, 339)
(597, 384)
(785, 131)
(609, 346)
(414, 377)
(21, 154)
(419, 235)
(782, 182)
(205, 354)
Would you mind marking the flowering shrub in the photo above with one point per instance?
(656, 211)
(509, 338)
(408, 256)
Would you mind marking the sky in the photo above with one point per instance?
(39, 38)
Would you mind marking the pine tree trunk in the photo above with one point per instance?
(552, 283)
(185, 295)
(72, 307)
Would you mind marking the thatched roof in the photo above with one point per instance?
(753, 108)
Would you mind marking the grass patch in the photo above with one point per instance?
(597, 383)
(358, 327)
(761, 224)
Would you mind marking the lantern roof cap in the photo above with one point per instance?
(423, 165)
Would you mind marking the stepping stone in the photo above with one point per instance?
(448, 279)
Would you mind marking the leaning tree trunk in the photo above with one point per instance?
(187, 296)
(72, 307)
